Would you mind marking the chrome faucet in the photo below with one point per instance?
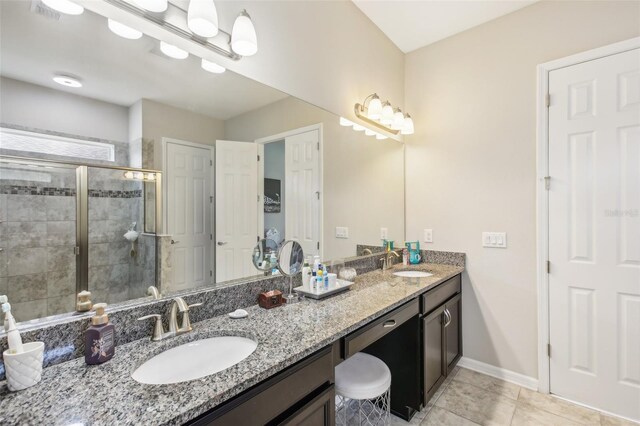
(178, 305)
(386, 260)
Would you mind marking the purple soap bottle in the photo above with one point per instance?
(99, 338)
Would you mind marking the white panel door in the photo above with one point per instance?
(302, 190)
(188, 177)
(236, 208)
(594, 233)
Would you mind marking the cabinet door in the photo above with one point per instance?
(434, 346)
(320, 411)
(453, 331)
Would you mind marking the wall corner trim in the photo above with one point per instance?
(499, 373)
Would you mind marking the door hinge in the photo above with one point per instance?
(211, 162)
(211, 237)
(258, 197)
(257, 238)
(548, 267)
(549, 350)
(76, 251)
(210, 273)
(318, 146)
(318, 195)
(547, 182)
(318, 245)
(211, 198)
(547, 100)
(258, 157)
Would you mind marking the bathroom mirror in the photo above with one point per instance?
(240, 162)
(265, 255)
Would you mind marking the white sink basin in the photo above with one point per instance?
(194, 360)
(412, 274)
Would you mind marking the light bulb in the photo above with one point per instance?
(152, 5)
(345, 122)
(151, 176)
(358, 128)
(64, 6)
(374, 110)
(123, 30)
(173, 51)
(407, 129)
(212, 67)
(244, 41)
(202, 18)
(398, 120)
(369, 132)
(67, 80)
(387, 114)
(380, 137)
(128, 175)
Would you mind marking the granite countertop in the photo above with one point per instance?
(74, 393)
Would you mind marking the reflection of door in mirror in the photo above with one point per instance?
(188, 213)
(236, 208)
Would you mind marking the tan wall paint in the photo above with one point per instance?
(363, 177)
(471, 163)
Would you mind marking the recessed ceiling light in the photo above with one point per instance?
(123, 31)
(67, 80)
(173, 51)
(64, 6)
(212, 67)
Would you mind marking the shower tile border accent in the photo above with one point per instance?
(67, 192)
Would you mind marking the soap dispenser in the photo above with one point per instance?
(99, 338)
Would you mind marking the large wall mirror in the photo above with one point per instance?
(239, 161)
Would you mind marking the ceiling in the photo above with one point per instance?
(414, 24)
(112, 69)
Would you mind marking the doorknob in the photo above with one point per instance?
(221, 243)
(174, 242)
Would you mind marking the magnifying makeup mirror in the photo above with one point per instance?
(290, 261)
(265, 255)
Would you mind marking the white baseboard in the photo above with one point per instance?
(499, 373)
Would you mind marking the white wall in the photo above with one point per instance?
(34, 106)
(274, 169)
(471, 163)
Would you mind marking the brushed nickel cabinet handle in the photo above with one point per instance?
(447, 314)
(390, 323)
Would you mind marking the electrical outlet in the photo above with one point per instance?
(342, 232)
(384, 234)
(428, 235)
(494, 239)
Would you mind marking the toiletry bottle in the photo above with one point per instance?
(319, 285)
(312, 281)
(14, 341)
(99, 338)
(306, 272)
(405, 257)
(325, 275)
(83, 303)
(274, 263)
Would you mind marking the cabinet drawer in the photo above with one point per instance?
(436, 297)
(368, 334)
(265, 402)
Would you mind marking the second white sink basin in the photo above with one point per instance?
(194, 360)
(412, 274)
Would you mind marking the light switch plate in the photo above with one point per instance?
(384, 233)
(342, 232)
(428, 235)
(494, 239)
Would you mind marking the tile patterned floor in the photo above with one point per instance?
(468, 398)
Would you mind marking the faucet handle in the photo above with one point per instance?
(185, 326)
(158, 330)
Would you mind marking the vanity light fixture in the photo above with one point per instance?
(131, 175)
(380, 137)
(173, 51)
(384, 116)
(345, 122)
(123, 30)
(156, 6)
(212, 67)
(67, 80)
(243, 35)
(202, 18)
(369, 132)
(64, 6)
(358, 127)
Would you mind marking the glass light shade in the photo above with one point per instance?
(374, 110)
(173, 51)
(123, 30)
(243, 36)
(398, 120)
(67, 80)
(64, 6)
(407, 129)
(358, 128)
(380, 137)
(152, 5)
(345, 122)
(212, 67)
(202, 18)
(369, 132)
(387, 115)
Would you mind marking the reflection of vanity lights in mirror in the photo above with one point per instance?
(123, 30)
(67, 80)
(212, 67)
(173, 51)
(384, 115)
(358, 128)
(152, 5)
(139, 176)
(64, 6)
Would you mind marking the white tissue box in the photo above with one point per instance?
(24, 370)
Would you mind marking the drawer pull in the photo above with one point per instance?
(390, 323)
(447, 315)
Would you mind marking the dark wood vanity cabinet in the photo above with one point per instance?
(441, 333)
